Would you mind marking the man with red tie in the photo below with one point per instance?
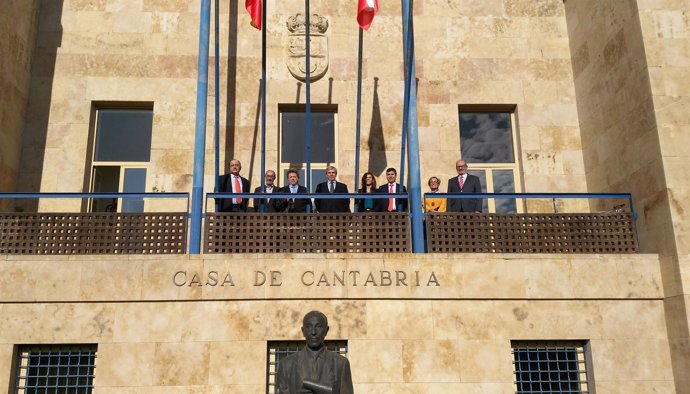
(234, 183)
(464, 183)
(392, 204)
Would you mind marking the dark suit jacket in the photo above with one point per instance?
(400, 203)
(332, 204)
(298, 204)
(376, 202)
(273, 205)
(226, 204)
(471, 185)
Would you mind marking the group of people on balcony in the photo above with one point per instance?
(233, 182)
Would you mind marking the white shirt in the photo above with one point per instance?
(269, 189)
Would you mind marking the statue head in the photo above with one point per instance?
(314, 328)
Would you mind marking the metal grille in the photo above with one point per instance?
(296, 232)
(531, 233)
(55, 369)
(278, 350)
(93, 233)
(550, 367)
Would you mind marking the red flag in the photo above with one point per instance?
(366, 11)
(254, 8)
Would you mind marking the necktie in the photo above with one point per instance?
(391, 201)
(330, 187)
(238, 189)
(462, 182)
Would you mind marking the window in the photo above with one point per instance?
(550, 366)
(278, 350)
(121, 155)
(293, 153)
(54, 368)
(487, 144)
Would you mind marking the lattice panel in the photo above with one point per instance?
(306, 233)
(531, 233)
(93, 233)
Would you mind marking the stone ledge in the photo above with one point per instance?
(329, 276)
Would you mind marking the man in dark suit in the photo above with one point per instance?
(464, 183)
(392, 204)
(234, 183)
(270, 204)
(295, 205)
(332, 186)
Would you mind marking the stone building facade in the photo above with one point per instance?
(595, 93)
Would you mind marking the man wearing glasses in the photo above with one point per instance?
(464, 183)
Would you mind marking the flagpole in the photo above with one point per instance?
(308, 101)
(406, 95)
(263, 102)
(413, 154)
(359, 108)
(200, 129)
(217, 101)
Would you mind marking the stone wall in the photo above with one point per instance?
(629, 62)
(160, 331)
(18, 20)
(500, 52)
(666, 34)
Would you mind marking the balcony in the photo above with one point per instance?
(56, 233)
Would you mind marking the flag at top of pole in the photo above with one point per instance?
(366, 10)
(254, 8)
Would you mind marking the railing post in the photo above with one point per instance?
(200, 130)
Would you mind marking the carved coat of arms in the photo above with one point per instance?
(297, 47)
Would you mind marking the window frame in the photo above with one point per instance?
(489, 168)
(92, 163)
(302, 167)
(583, 361)
(21, 362)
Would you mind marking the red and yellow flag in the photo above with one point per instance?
(366, 9)
(254, 8)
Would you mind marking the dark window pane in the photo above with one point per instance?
(317, 176)
(503, 183)
(322, 137)
(481, 174)
(106, 179)
(134, 182)
(486, 138)
(123, 135)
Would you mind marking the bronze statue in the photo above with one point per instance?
(314, 369)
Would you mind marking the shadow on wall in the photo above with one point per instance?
(377, 162)
(48, 40)
(230, 87)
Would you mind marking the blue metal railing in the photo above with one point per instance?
(94, 195)
(97, 196)
(186, 196)
(552, 196)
